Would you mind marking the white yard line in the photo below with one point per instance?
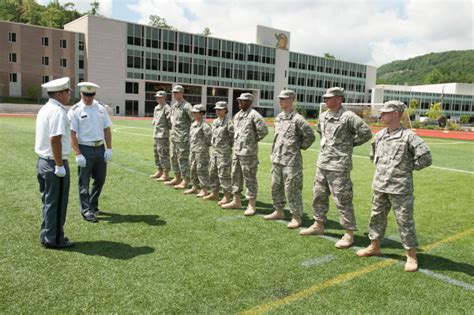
(318, 260)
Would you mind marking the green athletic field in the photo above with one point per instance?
(159, 251)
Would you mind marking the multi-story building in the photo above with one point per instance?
(456, 98)
(31, 55)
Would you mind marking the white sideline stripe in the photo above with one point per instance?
(452, 169)
(131, 170)
(447, 279)
(318, 260)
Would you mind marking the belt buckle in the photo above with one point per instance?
(97, 143)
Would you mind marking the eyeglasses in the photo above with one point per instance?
(88, 94)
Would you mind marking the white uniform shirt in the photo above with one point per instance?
(89, 122)
(52, 121)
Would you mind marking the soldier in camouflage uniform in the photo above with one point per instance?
(292, 134)
(161, 137)
(181, 119)
(220, 166)
(340, 131)
(200, 141)
(249, 129)
(396, 152)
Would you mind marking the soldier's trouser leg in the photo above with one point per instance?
(99, 173)
(163, 151)
(96, 168)
(203, 169)
(249, 166)
(237, 176)
(293, 179)
(403, 209)
(174, 157)
(340, 185)
(54, 196)
(278, 186)
(155, 151)
(183, 158)
(378, 216)
(321, 194)
(213, 174)
(193, 169)
(224, 169)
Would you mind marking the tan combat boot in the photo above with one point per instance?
(234, 204)
(225, 199)
(183, 185)
(214, 195)
(202, 193)
(372, 250)
(164, 177)
(251, 208)
(295, 222)
(157, 174)
(412, 263)
(192, 190)
(278, 214)
(176, 180)
(346, 240)
(316, 229)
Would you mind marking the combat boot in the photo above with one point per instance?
(295, 222)
(234, 204)
(346, 240)
(176, 180)
(225, 199)
(192, 190)
(278, 214)
(316, 229)
(202, 193)
(214, 195)
(251, 208)
(184, 184)
(157, 174)
(164, 177)
(412, 263)
(372, 250)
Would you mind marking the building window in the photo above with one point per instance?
(13, 77)
(12, 37)
(12, 57)
(62, 43)
(131, 108)
(131, 87)
(45, 61)
(45, 79)
(81, 62)
(45, 41)
(81, 45)
(63, 62)
(169, 63)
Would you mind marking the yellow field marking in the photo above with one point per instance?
(344, 278)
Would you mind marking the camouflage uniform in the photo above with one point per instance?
(340, 132)
(396, 155)
(161, 136)
(292, 134)
(249, 129)
(221, 158)
(200, 135)
(181, 119)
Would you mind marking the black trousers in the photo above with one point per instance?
(96, 168)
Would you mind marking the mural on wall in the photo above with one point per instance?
(282, 41)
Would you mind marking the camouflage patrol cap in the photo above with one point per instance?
(287, 94)
(198, 108)
(160, 94)
(221, 105)
(392, 106)
(246, 97)
(334, 91)
(177, 89)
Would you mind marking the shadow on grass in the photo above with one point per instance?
(150, 219)
(112, 250)
(432, 262)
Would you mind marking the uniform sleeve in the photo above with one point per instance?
(421, 153)
(188, 109)
(362, 132)
(307, 134)
(230, 130)
(168, 116)
(106, 120)
(208, 134)
(73, 120)
(261, 127)
(58, 123)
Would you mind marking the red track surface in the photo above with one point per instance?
(459, 135)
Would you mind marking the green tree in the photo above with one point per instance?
(435, 112)
(329, 56)
(435, 76)
(157, 21)
(94, 8)
(206, 31)
(464, 119)
(412, 107)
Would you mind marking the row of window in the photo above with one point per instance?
(45, 41)
(14, 78)
(12, 57)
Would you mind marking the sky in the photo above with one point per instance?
(372, 32)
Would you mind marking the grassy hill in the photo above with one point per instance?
(449, 66)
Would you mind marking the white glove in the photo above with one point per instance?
(59, 171)
(81, 160)
(107, 155)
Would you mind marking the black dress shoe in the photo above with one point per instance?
(67, 244)
(98, 212)
(89, 216)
